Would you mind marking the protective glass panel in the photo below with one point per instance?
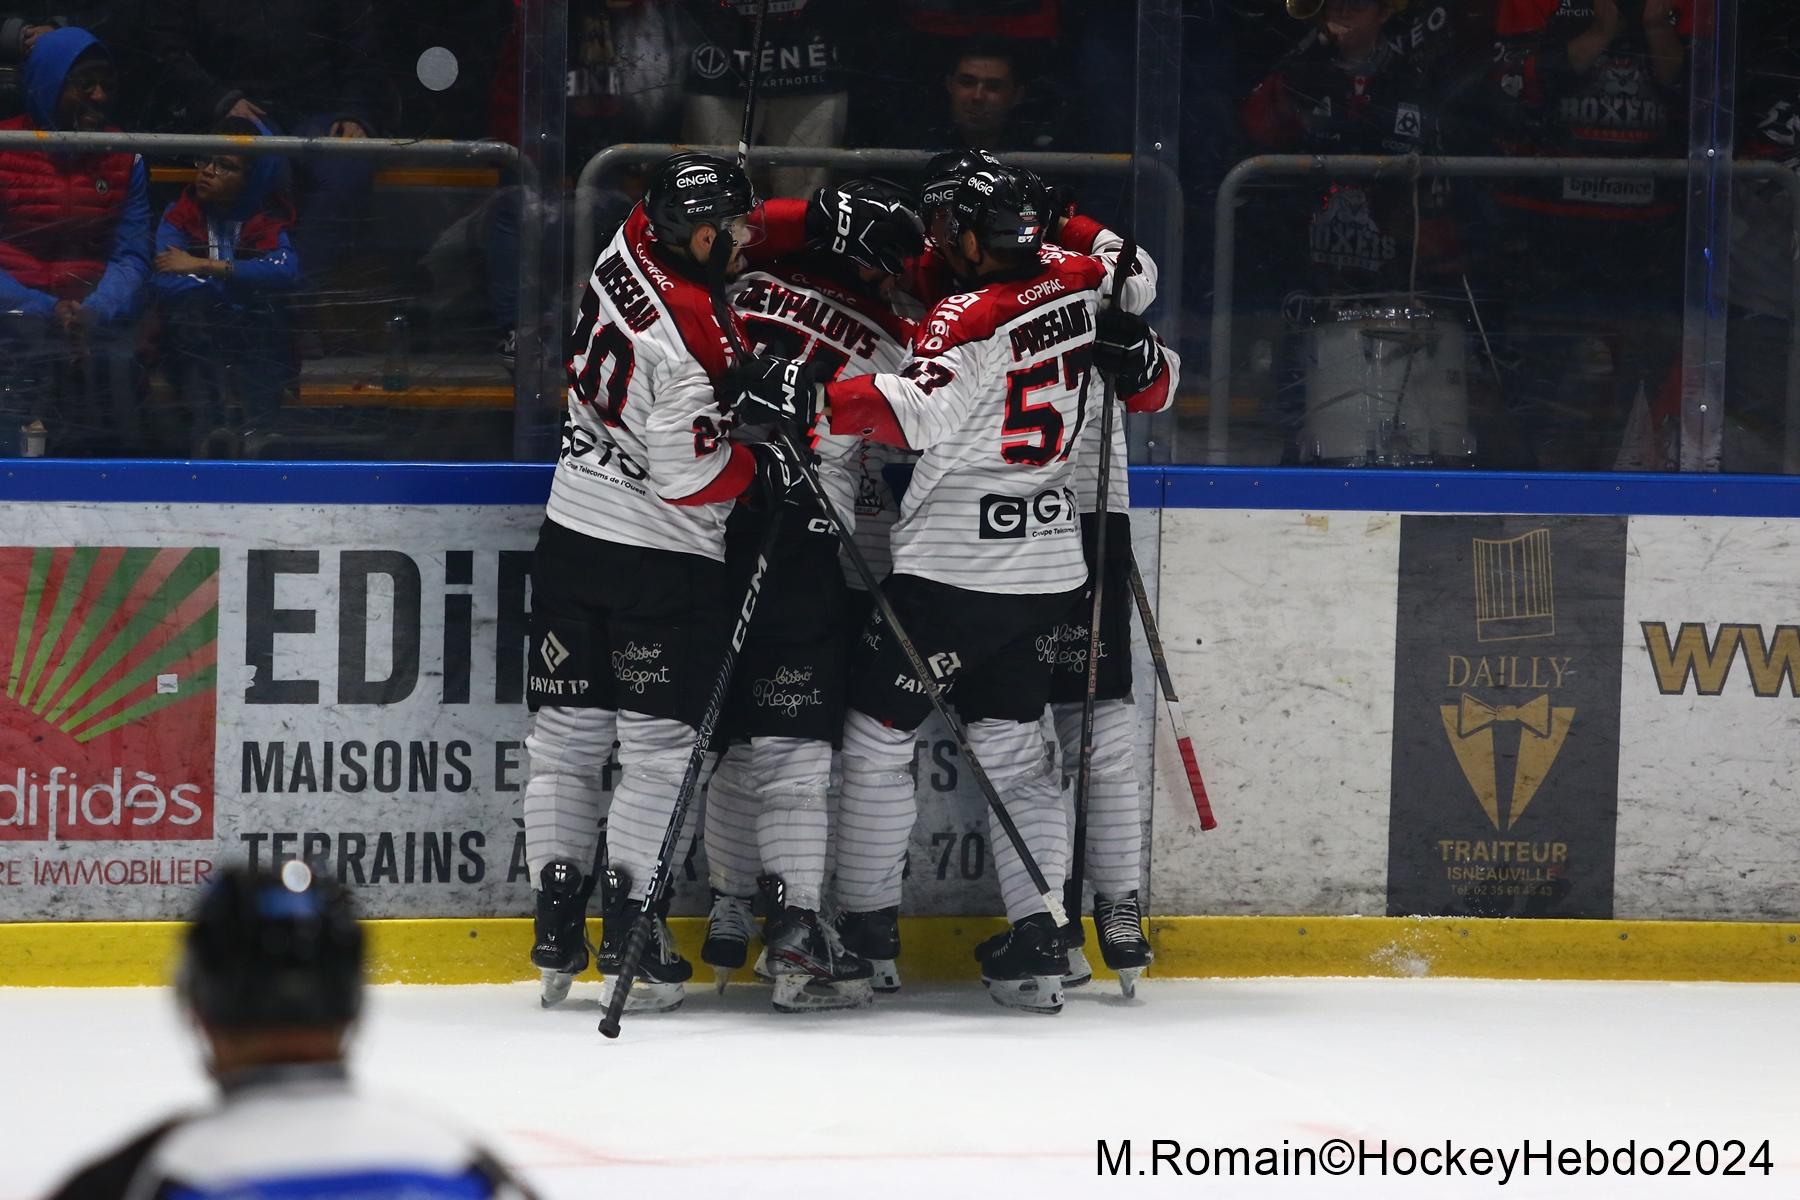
(1452, 234)
(1390, 233)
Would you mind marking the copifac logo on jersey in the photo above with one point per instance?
(106, 725)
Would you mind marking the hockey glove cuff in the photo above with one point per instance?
(1126, 349)
(878, 234)
(767, 389)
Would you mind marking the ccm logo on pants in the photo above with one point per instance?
(1004, 517)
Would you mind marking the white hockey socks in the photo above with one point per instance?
(1017, 759)
(793, 826)
(732, 858)
(564, 790)
(876, 813)
(653, 754)
(1115, 818)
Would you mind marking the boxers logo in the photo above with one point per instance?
(1013, 517)
(107, 722)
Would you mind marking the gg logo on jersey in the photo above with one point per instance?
(1009, 517)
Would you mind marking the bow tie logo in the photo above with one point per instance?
(1470, 726)
(1473, 716)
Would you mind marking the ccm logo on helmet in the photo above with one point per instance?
(686, 180)
(1008, 517)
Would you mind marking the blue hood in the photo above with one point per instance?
(267, 173)
(48, 65)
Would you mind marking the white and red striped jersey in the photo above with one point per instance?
(994, 393)
(794, 309)
(1090, 237)
(645, 459)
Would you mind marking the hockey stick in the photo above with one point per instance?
(1183, 743)
(664, 870)
(756, 49)
(717, 261)
(928, 679)
(1078, 850)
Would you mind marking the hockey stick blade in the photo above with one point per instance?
(1183, 743)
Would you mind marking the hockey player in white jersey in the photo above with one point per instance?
(629, 598)
(1146, 374)
(767, 803)
(987, 552)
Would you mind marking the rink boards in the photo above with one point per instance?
(1449, 696)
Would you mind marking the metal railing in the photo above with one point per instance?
(171, 145)
(587, 185)
(1408, 167)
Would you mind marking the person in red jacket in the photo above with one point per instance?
(74, 258)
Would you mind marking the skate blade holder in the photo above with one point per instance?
(1033, 994)
(804, 993)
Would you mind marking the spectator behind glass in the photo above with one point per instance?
(1347, 90)
(74, 257)
(1590, 265)
(1357, 246)
(223, 262)
(118, 24)
(802, 95)
(982, 102)
(303, 67)
(271, 978)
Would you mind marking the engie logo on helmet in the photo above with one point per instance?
(1046, 514)
(695, 179)
(110, 693)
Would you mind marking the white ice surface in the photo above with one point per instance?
(940, 1094)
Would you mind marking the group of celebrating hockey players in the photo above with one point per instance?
(963, 333)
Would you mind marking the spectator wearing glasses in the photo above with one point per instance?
(310, 68)
(74, 258)
(223, 263)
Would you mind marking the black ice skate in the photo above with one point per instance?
(728, 933)
(811, 968)
(1123, 945)
(1023, 968)
(1074, 938)
(560, 951)
(662, 973)
(876, 937)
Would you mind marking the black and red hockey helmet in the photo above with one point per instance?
(692, 189)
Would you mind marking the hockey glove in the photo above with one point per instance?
(778, 480)
(1126, 349)
(878, 234)
(769, 390)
